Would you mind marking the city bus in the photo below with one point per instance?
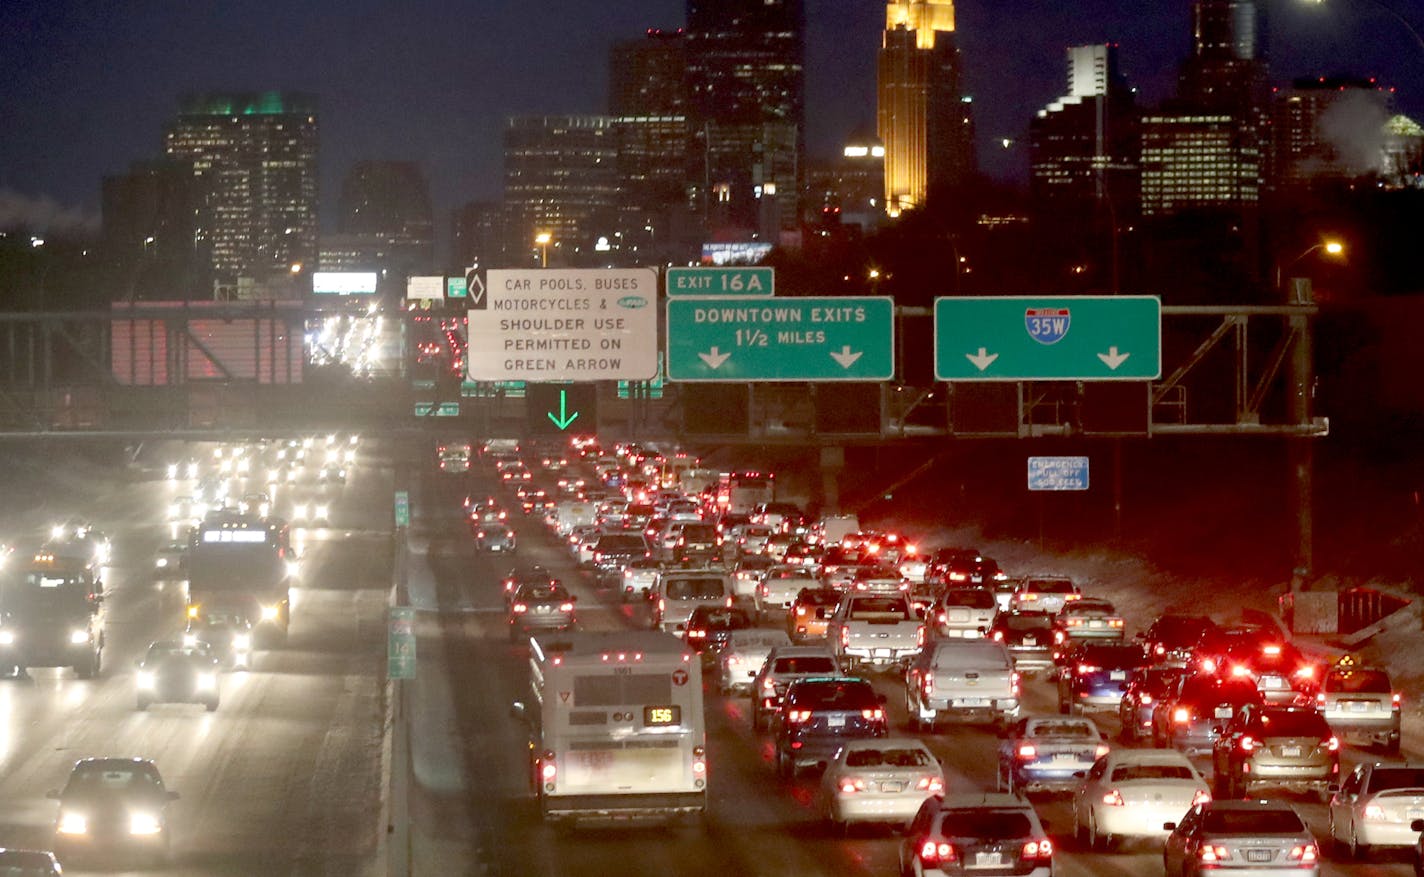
(740, 492)
(616, 727)
(242, 565)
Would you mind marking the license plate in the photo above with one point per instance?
(835, 721)
(1414, 814)
(1224, 712)
(1290, 752)
(1358, 706)
(1095, 623)
(1063, 757)
(1117, 675)
(972, 701)
(1272, 683)
(1260, 855)
(1030, 640)
(880, 653)
(892, 787)
(988, 860)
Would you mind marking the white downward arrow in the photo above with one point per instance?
(983, 360)
(1112, 359)
(714, 358)
(845, 357)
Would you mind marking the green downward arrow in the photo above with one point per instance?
(564, 418)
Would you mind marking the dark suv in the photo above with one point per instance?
(1096, 675)
(1192, 718)
(1172, 638)
(615, 550)
(820, 713)
(710, 626)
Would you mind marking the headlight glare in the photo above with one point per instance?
(269, 613)
(242, 642)
(7, 638)
(207, 681)
(71, 822)
(78, 637)
(144, 823)
(145, 679)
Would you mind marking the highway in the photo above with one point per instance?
(284, 778)
(473, 805)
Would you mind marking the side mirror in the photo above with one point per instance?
(173, 796)
(1172, 826)
(518, 711)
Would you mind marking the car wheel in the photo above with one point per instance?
(785, 767)
(1358, 850)
(1097, 840)
(1391, 747)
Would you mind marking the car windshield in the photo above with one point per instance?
(1049, 586)
(722, 619)
(1249, 822)
(699, 533)
(112, 779)
(694, 589)
(1113, 656)
(899, 757)
(1385, 778)
(1358, 682)
(1025, 621)
(175, 652)
(985, 824)
(1208, 691)
(806, 664)
(621, 542)
(1294, 723)
(840, 695)
(973, 598)
(543, 592)
(1127, 772)
(819, 596)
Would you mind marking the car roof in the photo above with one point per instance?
(802, 652)
(885, 742)
(1251, 804)
(114, 761)
(996, 800)
(1147, 756)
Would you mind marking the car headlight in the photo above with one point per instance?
(7, 638)
(293, 567)
(192, 470)
(145, 679)
(161, 562)
(323, 512)
(207, 681)
(144, 823)
(299, 511)
(242, 642)
(270, 613)
(190, 640)
(78, 637)
(71, 822)
(56, 532)
(172, 470)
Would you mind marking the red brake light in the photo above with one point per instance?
(1145, 700)
(566, 607)
(1027, 752)
(845, 636)
(1394, 700)
(933, 785)
(1271, 650)
(1247, 744)
(1305, 854)
(1333, 744)
(795, 716)
(874, 715)
(1208, 854)
(1114, 799)
(519, 608)
(1181, 715)
(932, 852)
(1038, 849)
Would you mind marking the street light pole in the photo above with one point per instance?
(542, 239)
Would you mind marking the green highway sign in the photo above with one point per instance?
(720, 281)
(1048, 338)
(402, 508)
(400, 643)
(738, 339)
(446, 409)
(455, 288)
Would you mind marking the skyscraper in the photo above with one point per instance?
(1084, 146)
(150, 217)
(925, 121)
(1329, 130)
(648, 102)
(746, 108)
(560, 178)
(254, 157)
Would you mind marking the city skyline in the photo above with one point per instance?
(458, 73)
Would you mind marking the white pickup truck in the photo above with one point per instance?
(962, 679)
(876, 630)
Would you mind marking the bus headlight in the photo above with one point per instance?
(71, 822)
(322, 513)
(207, 681)
(78, 637)
(270, 613)
(56, 532)
(144, 823)
(7, 638)
(145, 679)
(161, 562)
(242, 642)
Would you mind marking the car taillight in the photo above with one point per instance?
(998, 636)
(933, 785)
(1145, 700)
(1240, 671)
(1374, 811)
(1114, 799)
(520, 608)
(1027, 752)
(1306, 854)
(1101, 750)
(1247, 744)
(1273, 651)
(1038, 849)
(1160, 649)
(768, 685)
(729, 602)
(1201, 797)
(932, 852)
(928, 682)
(597, 556)
(796, 716)
(1181, 715)
(699, 763)
(1085, 669)
(851, 786)
(920, 636)
(1014, 679)
(696, 634)
(1058, 637)
(662, 605)
(1074, 622)
(1332, 743)
(1394, 701)
(1320, 699)
(1208, 854)
(800, 611)
(845, 636)
(1306, 672)
(1208, 665)
(873, 715)
(566, 607)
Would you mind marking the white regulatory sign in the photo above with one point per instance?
(597, 324)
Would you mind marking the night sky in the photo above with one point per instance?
(86, 88)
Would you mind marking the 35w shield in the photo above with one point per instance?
(1047, 325)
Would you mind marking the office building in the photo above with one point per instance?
(746, 109)
(848, 190)
(648, 103)
(925, 123)
(1329, 130)
(149, 219)
(561, 179)
(1196, 160)
(254, 157)
(1083, 147)
(477, 236)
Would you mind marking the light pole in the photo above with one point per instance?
(1387, 10)
(1332, 248)
(542, 239)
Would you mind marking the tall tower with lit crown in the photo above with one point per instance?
(925, 121)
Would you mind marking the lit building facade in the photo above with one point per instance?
(560, 178)
(1193, 160)
(746, 108)
(254, 157)
(925, 122)
(849, 189)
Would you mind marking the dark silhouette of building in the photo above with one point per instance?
(926, 122)
(149, 219)
(384, 221)
(478, 237)
(848, 190)
(746, 108)
(1329, 130)
(254, 156)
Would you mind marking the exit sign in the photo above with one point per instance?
(720, 281)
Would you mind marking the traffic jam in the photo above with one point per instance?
(856, 657)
